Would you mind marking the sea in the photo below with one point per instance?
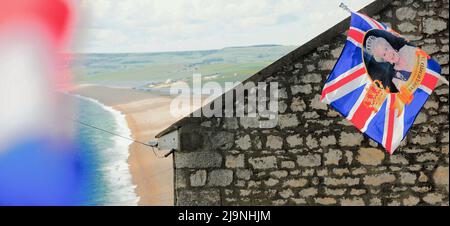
(106, 176)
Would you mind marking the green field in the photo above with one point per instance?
(138, 69)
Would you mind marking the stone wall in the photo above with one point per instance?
(314, 156)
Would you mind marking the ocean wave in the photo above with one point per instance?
(115, 168)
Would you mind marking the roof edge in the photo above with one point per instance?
(303, 50)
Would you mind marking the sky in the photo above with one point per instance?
(111, 26)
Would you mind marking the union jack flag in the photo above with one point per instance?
(383, 115)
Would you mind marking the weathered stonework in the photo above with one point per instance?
(314, 156)
(269, 162)
(198, 178)
(333, 157)
(233, 161)
(440, 177)
(376, 180)
(220, 178)
(370, 156)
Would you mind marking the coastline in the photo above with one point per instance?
(146, 114)
(116, 160)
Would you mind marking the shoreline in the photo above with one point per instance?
(146, 114)
(127, 195)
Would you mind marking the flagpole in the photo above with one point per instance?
(345, 7)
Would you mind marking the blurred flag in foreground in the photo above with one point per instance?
(380, 82)
(38, 164)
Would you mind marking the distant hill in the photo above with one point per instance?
(231, 63)
(253, 46)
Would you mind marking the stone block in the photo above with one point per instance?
(309, 160)
(269, 162)
(204, 159)
(198, 178)
(220, 178)
(370, 156)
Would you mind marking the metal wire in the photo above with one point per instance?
(117, 135)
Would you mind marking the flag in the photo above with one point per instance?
(380, 82)
(40, 161)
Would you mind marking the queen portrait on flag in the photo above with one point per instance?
(380, 82)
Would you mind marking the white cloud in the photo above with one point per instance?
(169, 25)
